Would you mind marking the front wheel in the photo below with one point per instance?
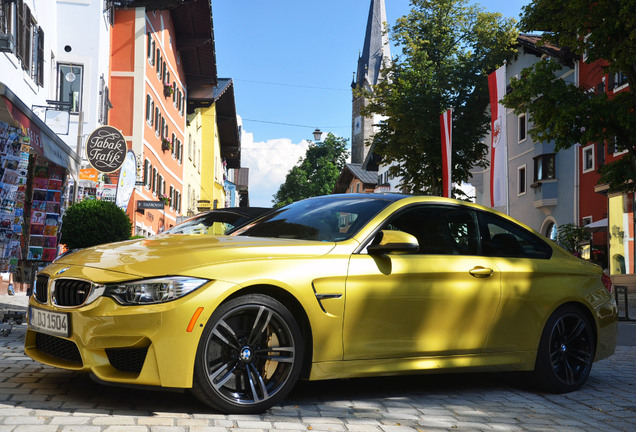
(249, 357)
(566, 351)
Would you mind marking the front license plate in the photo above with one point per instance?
(53, 323)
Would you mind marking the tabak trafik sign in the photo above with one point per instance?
(106, 149)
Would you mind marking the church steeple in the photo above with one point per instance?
(375, 54)
(375, 51)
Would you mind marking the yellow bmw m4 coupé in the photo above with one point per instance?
(330, 287)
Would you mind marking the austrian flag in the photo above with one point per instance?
(446, 126)
(498, 177)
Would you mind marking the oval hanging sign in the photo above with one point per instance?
(106, 149)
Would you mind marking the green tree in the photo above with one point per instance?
(316, 173)
(570, 237)
(601, 30)
(90, 222)
(448, 50)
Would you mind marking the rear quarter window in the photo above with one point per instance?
(502, 238)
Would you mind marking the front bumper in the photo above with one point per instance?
(140, 345)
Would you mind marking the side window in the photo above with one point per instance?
(503, 238)
(440, 230)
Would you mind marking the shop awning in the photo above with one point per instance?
(599, 225)
(42, 139)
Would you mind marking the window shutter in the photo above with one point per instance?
(20, 31)
(28, 35)
(40, 59)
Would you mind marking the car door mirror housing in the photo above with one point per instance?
(389, 241)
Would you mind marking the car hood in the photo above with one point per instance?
(175, 254)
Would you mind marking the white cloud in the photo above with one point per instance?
(268, 162)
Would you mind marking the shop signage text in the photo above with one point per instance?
(150, 205)
(106, 149)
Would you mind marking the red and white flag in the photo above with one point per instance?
(446, 126)
(498, 177)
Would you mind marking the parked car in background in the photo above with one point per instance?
(217, 221)
(341, 286)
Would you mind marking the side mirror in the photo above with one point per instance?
(393, 241)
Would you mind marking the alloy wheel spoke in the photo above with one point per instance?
(223, 327)
(575, 332)
(256, 380)
(559, 332)
(228, 368)
(581, 355)
(287, 354)
(264, 315)
(569, 371)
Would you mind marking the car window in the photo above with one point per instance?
(331, 219)
(445, 230)
(500, 237)
(210, 223)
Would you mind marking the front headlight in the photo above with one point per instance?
(152, 291)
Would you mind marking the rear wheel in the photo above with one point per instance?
(249, 356)
(566, 351)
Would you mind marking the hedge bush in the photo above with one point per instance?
(90, 223)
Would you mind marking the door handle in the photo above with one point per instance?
(480, 272)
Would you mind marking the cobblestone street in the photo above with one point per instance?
(38, 398)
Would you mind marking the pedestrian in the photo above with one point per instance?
(7, 277)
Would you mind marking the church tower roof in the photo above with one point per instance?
(376, 46)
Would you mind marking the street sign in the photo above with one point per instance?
(150, 205)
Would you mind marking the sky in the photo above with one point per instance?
(292, 62)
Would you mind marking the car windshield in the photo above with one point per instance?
(323, 219)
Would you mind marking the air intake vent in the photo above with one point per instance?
(57, 347)
(127, 359)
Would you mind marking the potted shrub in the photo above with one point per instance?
(165, 144)
(167, 90)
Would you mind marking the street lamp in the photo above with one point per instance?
(317, 135)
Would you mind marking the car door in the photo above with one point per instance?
(439, 301)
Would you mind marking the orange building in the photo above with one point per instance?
(152, 54)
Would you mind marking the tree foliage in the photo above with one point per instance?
(448, 50)
(316, 173)
(570, 236)
(568, 114)
(90, 223)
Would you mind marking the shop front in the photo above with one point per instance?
(36, 166)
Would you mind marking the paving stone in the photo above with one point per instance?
(38, 398)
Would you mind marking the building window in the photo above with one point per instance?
(521, 180)
(153, 181)
(158, 64)
(617, 148)
(149, 110)
(20, 35)
(151, 49)
(523, 127)
(104, 102)
(617, 80)
(600, 154)
(588, 158)
(552, 231)
(7, 24)
(69, 85)
(544, 167)
(147, 173)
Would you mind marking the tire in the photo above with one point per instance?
(249, 356)
(566, 351)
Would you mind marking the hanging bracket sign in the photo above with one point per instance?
(106, 149)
